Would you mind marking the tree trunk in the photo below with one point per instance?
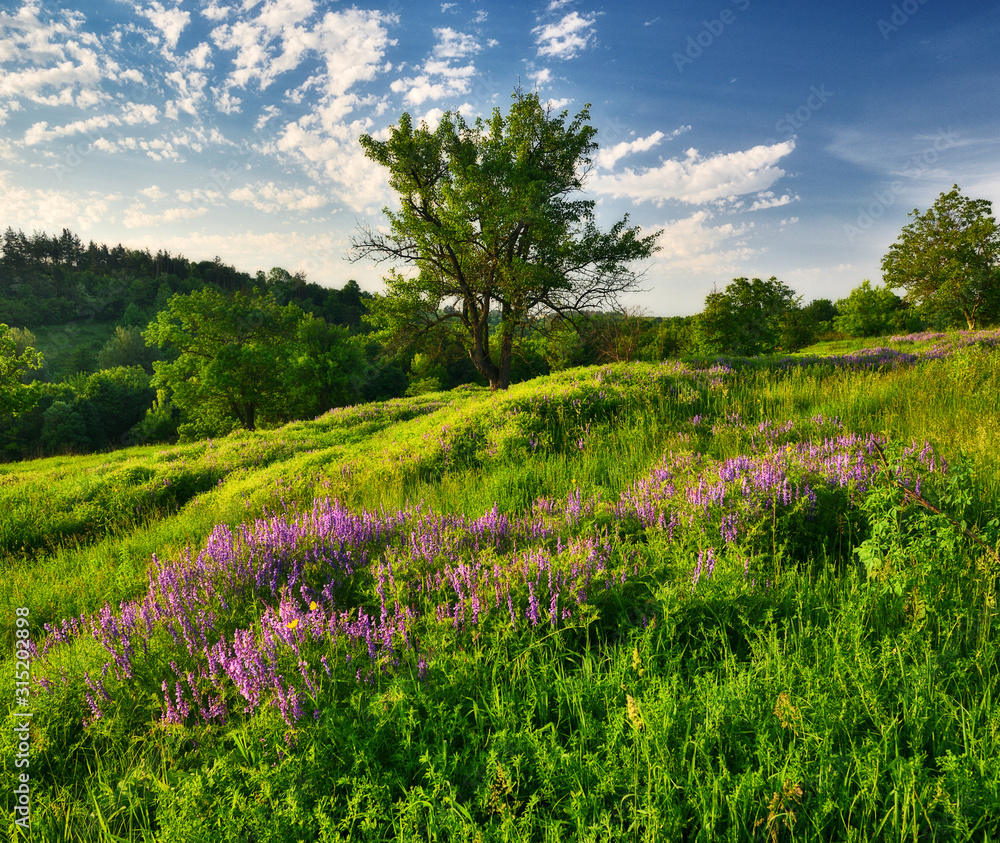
(506, 354)
(480, 352)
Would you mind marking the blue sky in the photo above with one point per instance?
(764, 138)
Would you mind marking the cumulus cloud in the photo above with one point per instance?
(767, 199)
(335, 157)
(94, 127)
(567, 37)
(693, 245)
(170, 22)
(455, 45)
(48, 209)
(697, 179)
(271, 199)
(608, 157)
(136, 216)
(350, 44)
(438, 78)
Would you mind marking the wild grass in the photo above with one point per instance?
(825, 670)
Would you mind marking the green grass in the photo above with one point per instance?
(846, 691)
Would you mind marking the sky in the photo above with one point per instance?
(763, 138)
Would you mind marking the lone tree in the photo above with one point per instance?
(948, 258)
(749, 317)
(494, 229)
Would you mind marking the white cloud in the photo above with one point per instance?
(271, 199)
(439, 80)
(607, 158)
(53, 62)
(131, 75)
(214, 12)
(170, 22)
(569, 36)
(454, 45)
(136, 216)
(696, 179)
(438, 77)
(225, 102)
(335, 157)
(134, 114)
(767, 199)
(541, 77)
(190, 88)
(350, 43)
(693, 246)
(47, 209)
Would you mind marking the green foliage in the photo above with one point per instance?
(127, 348)
(749, 317)
(848, 694)
(15, 364)
(948, 259)
(160, 422)
(65, 428)
(868, 312)
(324, 368)
(425, 375)
(230, 354)
(237, 360)
(489, 220)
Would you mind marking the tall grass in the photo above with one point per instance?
(827, 671)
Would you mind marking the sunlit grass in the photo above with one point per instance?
(840, 686)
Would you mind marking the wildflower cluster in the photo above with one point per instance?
(735, 503)
(308, 570)
(267, 609)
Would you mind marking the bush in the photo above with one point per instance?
(64, 428)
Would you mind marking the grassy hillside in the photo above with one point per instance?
(742, 599)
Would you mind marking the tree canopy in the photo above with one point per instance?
(869, 311)
(749, 317)
(14, 365)
(494, 230)
(244, 357)
(228, 352)
(948, 258)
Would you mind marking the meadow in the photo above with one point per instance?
(727, 599)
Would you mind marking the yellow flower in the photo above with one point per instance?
(312, 606)
(293, 624)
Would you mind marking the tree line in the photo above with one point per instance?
(505, 276)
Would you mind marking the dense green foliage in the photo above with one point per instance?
(15, 364)
(870, 312)
(948, 260)
(83, 310)
(749, 317)
(242, 357)
(751, 662)
(492, 220)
